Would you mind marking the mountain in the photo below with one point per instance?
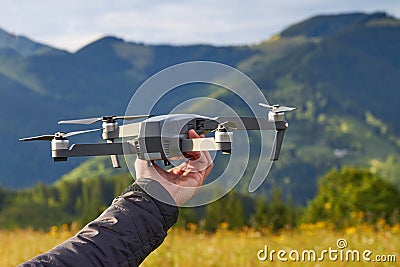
(341, 71)
(37, 90)
(323, 26)
(21, 45)
(345, 80)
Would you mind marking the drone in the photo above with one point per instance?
(164, 137)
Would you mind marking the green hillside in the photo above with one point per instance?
(341, 71)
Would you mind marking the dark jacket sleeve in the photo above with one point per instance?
(123, 235)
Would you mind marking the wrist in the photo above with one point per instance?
(152, 188)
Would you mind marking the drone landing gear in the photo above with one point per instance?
(114, 158)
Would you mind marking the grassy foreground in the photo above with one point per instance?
(235, 248)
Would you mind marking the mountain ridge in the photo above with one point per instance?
(327, 25)
(22, 45)
(344, 84)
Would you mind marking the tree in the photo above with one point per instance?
(2, 196)
(278, 211)
(228, 209)
(344, 195)
(213, 215)
(186, 216)
(234, 212)
(260, 217)
(274, 213)
(388, 169)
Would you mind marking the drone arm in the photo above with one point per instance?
(207, 144)
(199, 144)
(114, 158)
(101, 149)
(248, 123)
(251, 123)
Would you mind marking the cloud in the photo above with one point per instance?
(72, 24)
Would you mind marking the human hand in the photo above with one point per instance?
(182, 181)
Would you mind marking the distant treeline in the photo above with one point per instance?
(345, 197)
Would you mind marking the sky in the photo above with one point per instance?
(72, 24)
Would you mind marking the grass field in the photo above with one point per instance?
(236, 248)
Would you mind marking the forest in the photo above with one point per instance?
(344, 198)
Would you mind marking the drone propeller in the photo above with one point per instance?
(268, 106)
(104, 118)
(46, 137)
(60, 135)
(227, 124)
(277, 108)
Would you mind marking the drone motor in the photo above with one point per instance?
(223, 140)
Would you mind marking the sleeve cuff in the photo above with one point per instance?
(158, 194)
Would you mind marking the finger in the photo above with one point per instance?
(176, 171)
(208, 170)
(193, 155)
(204, 160)
(206, 153)
(181, 166)
(208, 157)
(192, 134)
(187, 171)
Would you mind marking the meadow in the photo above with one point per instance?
(192, 247)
